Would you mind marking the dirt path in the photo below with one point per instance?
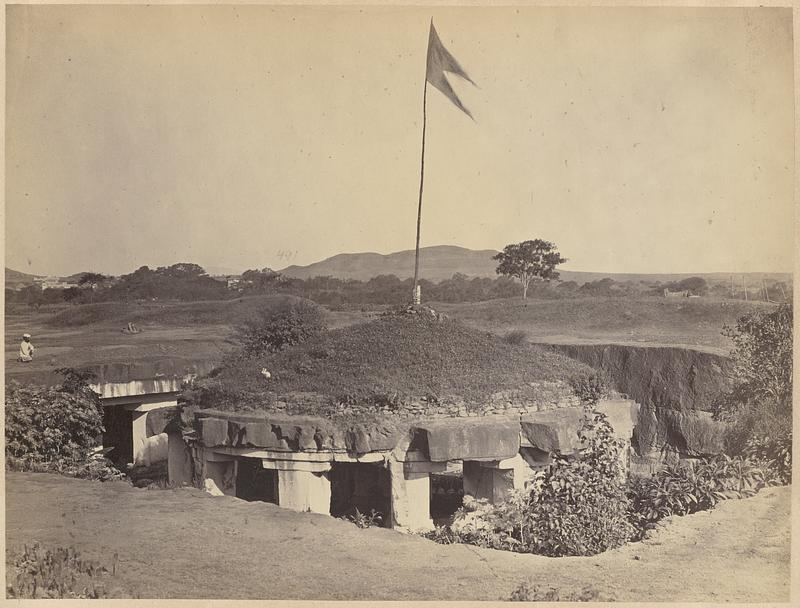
(186, 544)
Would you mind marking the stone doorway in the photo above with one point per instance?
(447, 495)
(362, 486)
(254, 482)
(118, 434)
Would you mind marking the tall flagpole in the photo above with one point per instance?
(421, 182)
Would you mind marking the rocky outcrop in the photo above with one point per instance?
(691, 433)
(661, 377)
(675, 387)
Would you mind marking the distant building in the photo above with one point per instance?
(53, 283)
(231, 281)
(676, 294)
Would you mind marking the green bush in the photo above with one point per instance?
(36, 573)
(365, 520)
(694, 486)
(53, 428)
(516, 337)
(760, 403)
(272, 329)
(589, 387)
(775, 452)
(577, 506)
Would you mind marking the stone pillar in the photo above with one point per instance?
(304, 491)
(179, 461)
(139, 435)
(411, 495)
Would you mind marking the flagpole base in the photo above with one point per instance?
(417, 298)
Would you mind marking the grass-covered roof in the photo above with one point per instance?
(388, 361)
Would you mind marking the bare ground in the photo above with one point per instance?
(186, 544)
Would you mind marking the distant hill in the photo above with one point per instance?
(435, 264)
(16, 279)
(443, 261)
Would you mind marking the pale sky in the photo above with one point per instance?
(636, 139)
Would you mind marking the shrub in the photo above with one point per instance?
(54, 428)
(271, 330)
(577, 506)
(694, 486)
(365, 520)
(589, 387)
(36, 573)
(516, 337)
(580, 506)
(760, 404)
(774, 452)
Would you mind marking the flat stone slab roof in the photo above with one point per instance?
(482, 438)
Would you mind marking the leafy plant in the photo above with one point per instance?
(365, 520)
(527, 592)
(54, 428)
(775, 452)
(36, 572)
(694, 486)
(589, 387)
(577, 506)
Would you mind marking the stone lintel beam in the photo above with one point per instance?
(507, 463)
(215, 456)
(424, 467)
(308, 456)
(369, 457)
(294, 465)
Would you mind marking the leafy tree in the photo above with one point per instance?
(696, 285)
(93, 279)
(760, 403)
(260, 280)
(529, 260)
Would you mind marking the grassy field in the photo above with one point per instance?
(186, 544)
(688, 322)
(91, 334)
(200, 331)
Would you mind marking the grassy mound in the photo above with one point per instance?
(177, 314)
(389, 361)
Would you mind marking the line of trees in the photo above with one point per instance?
(188, 282)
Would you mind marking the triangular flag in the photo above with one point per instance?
(440, 61)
